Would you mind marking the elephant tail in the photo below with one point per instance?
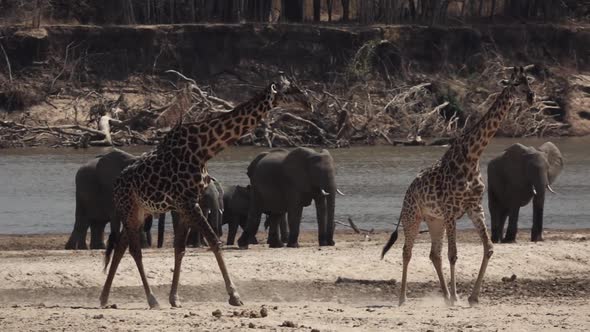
(391, 241)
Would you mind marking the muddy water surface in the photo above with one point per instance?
(37, 185)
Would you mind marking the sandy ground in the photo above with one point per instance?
(44, 289)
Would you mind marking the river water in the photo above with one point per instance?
(37, 185)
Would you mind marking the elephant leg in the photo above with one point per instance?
(498, 215)
(251, 228)
(146, 239)
(284, 228)
(274, 240)
(294, 217)
(194, 238)
(251, 237)
(97, 234)
(512, 226)
(161, 225)
(77, 239)
(232, 230)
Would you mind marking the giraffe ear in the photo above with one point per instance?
(273, 88)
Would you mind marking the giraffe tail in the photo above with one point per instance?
(391, 241)
(112, 242)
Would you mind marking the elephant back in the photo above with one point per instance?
(110, 166)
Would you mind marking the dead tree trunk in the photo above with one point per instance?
(317, 10)
(345, 10)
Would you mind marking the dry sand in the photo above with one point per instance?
(44, 289)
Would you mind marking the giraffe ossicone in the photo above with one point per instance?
(453, 186)
(174, 175)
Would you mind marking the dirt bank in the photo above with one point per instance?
(52, 289)
(60, 72)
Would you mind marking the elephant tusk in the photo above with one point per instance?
(221, 211)
(339, 192)
(534, 191)
(325, 193)
(551, 189)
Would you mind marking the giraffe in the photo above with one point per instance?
(173, 176)
(452, 187)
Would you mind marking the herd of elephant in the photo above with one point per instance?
(282, 182)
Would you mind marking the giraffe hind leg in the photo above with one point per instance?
(120, 248)
(411, 223)
(436, 230)
(134, 227)
(477, 216)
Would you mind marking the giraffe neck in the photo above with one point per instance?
(477, 138)
(208, 138)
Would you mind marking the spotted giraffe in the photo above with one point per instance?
(452, 187)
(173, 177)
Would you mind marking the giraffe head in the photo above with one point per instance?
(287, 94)
(520, 82)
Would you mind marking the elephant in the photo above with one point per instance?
(94, 199)
(212, 204)
(519, 174)
(284, 182)
(236, 203)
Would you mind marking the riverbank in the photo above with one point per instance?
(50, 290)
(368, 85)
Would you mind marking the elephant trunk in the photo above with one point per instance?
(320, 205)
(325, 206)
(331, 205)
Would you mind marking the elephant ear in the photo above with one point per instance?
(554, 160)
(110, 166)
(296, 168)
(252, 167)
(220, 193)
(536, 170)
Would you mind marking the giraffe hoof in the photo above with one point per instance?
(473, 301)
(175, 302)
(450, 301)
(153, 302)
(401, 302)
(235, 300)
(103, 301)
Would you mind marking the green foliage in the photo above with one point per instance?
(453, 109)
(361, 65)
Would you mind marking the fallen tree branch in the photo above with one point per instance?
(7, 63)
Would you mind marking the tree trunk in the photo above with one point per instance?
(492, 11)
(317, 8)
(345, 10)
(330, 8)
(412, 6)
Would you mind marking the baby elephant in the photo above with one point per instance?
(519, 174)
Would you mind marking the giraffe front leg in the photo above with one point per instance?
(201, 223)
(477, 216)
(452, 253)
(180, 238)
